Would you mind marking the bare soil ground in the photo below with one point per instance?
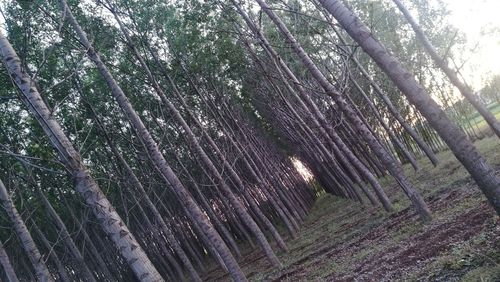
(346, 241)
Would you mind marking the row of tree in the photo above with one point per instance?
(168, 130)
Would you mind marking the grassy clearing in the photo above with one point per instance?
(478, 121)
(344, 241)
(493, 108)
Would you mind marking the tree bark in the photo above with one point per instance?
(63, 274)
(156, 156)
(391, 164)
(27, 242)
(7, 266)
(110, 221)
(460, 145)
(316, 116)
(442, 63)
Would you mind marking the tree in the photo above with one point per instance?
(84, 183)
(7, 266)
(388, 161)
(466, 91)
(27, 242)
(461, 146)
(154, 152)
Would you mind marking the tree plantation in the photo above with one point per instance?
(217, 140)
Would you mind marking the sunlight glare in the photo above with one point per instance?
(303, 170)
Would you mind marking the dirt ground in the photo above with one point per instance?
(346, 241)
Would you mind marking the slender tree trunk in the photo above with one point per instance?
(386, 127)
(157, 236)
(392, 109)
(442, 63)
(68, 241)
(317, 116)
(234, 175)
(154, 152)
(7, 266)
(84, 183)
(141, 191)
(391, 164)
(258, 178)
(63, 274)
(111, 256)
(203, 157)
(27, 242)
(223, 230)
(253, 155)
(309, 134)
(458, 142)
(99, 261)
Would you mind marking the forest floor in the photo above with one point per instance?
(344, 241)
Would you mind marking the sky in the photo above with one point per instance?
(473, 18)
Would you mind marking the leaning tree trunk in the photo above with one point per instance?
(392, 109)
(455, 138)
(210, 211)
(316, 116)
(132, 178)
(110, 221)
(232, 173)
(7, 266)
(64, 233)
(390, 163)
(205, 160)
(261, 181)
(154, 152)
(99, 261)
(27, 242)
(63, 274)
(304, 127)
(442, 63)
(392, 136)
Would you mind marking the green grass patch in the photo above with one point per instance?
(344, 240)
